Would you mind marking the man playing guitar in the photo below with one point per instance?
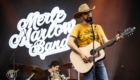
(82, 33)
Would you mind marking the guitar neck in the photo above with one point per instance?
(126, 32)
(106, 44)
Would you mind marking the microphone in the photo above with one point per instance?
(90, 19)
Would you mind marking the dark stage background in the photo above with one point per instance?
(122, 59)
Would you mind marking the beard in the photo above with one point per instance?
(86, 19)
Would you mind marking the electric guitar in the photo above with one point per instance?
(99, 53)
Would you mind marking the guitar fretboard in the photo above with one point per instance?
(106, 44)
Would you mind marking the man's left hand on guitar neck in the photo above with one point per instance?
(118, 37)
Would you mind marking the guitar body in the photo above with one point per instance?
(79, 64)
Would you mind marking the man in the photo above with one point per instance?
(82, 33)
(54, 66)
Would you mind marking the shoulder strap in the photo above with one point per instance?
(98, 32)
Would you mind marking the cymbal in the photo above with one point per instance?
(67, 66)
(39, 73)
(18, 66)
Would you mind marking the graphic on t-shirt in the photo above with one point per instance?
(88, 35)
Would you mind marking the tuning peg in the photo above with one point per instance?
(134, 27)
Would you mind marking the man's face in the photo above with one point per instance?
(85, 15)
(56, 68)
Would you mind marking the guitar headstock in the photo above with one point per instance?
(129, 31)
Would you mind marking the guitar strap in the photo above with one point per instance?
(98, 32)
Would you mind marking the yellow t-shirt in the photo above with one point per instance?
(83, 34)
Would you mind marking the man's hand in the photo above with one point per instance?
(84, 58)
(118, 37)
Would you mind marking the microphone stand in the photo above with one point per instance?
(13, 55)
(91, 22)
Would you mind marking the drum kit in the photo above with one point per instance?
(38, 73)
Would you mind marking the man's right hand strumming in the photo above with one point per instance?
(84, 58)
(73, 46)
